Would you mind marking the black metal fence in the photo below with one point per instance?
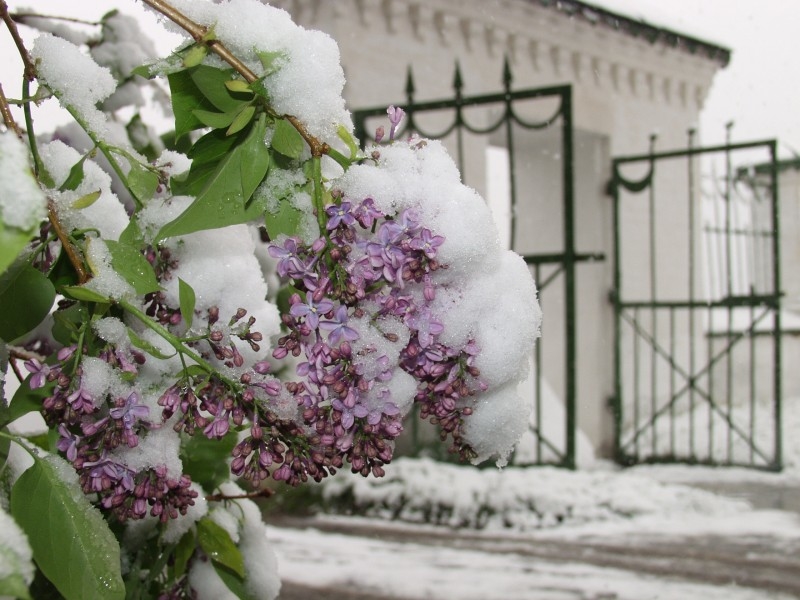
(697, 298)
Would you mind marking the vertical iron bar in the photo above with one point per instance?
(569, 273)
(458, 84)
(636, 383)
(710, 375)
(776, 329)
(508, 118)
(752, 381)
(729, 236)
(616, 299)
(538, 399)
(651, 199)
(692, 276)
(672, 382)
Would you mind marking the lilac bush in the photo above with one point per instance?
(266, 305)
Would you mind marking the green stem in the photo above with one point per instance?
(26, 108)
(316, 175)
(176, 343)
(340, 158)
(106, 150)
(18, 440)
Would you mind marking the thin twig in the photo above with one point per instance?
(24, 354)
(21, 16)
(200, 35)
(262, 493)
(19, 353)
(30, 69)
(15, 367)
(8, 118)
(72, 253)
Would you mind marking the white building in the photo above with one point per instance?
(629, 79)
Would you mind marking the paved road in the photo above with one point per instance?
(762, 564)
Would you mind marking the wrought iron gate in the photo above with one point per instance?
(500, 120)
(697, 297)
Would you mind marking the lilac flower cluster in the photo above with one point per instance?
(90, 428)
(367, 275)
(368, 267)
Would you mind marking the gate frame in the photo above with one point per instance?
(568, 258)
(770, 301)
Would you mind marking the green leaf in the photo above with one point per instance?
(75, 176)
(14, 586)
(26, 297)
(146, 346)
(206, 154)
(187, 299)
(62, 272)
(238, 86)
(186, 98)
(211, 83)
(195, 55)
(145, 71)
(287, 140)
(183, 552)
(12, 241)
(214, 119)
(132, 234)
(233, 582)
(242, 120)
(348, 139)
(205, 460)
(71, 542)
(142, 181)
(84, 294)
(87, 200)
(68, 321)
(270, 61)
(224, 198)
(218, 545)
(141, 138)
(286, 221)
(133, 267)
(24, 401)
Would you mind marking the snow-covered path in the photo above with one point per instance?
(374, 560)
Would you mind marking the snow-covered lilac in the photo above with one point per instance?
(466, 301)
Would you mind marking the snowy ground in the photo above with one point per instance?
(651, 532)
(620, 562)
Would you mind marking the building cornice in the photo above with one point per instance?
(599, 16)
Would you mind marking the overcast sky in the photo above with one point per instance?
(757, 91)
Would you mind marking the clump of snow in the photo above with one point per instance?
(159, 211)
(206, 583)
(106, 280)
(160, 447)
(99, 378)
(521, 499)
(221, 267)
(173, 163)
(112, 330)
(55, 26)
(16, 557)
(22, 203)
(305, 79)
(78, 80)
(106, 214)
(124, 45)
(499, 419)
